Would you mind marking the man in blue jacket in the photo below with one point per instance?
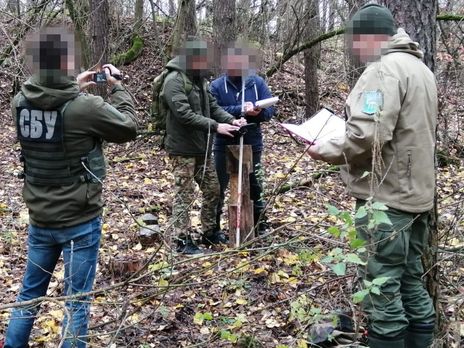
(237, 91)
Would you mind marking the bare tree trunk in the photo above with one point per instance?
(311, 59)
(99, 28)
(354, 67)
(258, 22)
(78, 11)
(191, 19)
(209, 12)
(263, 30)
(153, 15)
(138, 16)
(325, 15)
(243, 16)
(172, 8)
(185, 24)
(13, 6)
(419, 19)
(331, 19)
(224, 27)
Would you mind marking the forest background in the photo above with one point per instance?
(288, 287)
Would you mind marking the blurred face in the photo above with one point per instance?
(68, 64)
(198, 63)
(52, 48)
(236, 65)
(369, 47)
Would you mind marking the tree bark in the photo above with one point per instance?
(172, 8)
(243, 15)
(311, 59)
(224, 28)
(153, 15)
(191, 19)
(418, 18)
(78, 12)
(185, 24)
(258, 22)
(354, 67)
(138, 16)
(99, 28)
(14, 7)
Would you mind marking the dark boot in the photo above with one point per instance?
(419, 335)
(218, 216)
(262, 227)
(214, 237)
(186, 246)
(261, 224)
(386, 342)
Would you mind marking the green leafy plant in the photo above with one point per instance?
(9, 237)
(228, 336)
(372, 287)
(200, 317)
(302, 310)
(337, 258)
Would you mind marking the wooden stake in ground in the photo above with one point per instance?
(240, 207)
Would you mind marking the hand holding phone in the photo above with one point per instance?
(86, 79)
(99, 77)
(113, 74)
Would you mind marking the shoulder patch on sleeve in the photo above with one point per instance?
(372, 101)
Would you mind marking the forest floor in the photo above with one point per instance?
(267, 295)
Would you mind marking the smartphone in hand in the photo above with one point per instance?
(99, 77)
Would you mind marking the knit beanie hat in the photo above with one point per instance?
(372, 19)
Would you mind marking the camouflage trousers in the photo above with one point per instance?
(187, 171)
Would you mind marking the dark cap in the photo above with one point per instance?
(372, 19)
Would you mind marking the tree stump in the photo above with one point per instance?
(246, 212)
(125, 266)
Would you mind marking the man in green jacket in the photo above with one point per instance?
(192, 119)
(388, 157)
(60, 130)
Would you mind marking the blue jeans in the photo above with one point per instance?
(79, 245)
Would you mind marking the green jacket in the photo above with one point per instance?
(404, 90)
(87, 118)
(193, 117)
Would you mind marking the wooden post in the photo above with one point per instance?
(246, 220)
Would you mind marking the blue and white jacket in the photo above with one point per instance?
(229, 97)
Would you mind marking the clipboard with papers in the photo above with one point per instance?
(322, 126)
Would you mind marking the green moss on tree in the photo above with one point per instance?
(450, 17)
(130, 55)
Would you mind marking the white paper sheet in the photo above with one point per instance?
(265, 103)
(323, 125)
